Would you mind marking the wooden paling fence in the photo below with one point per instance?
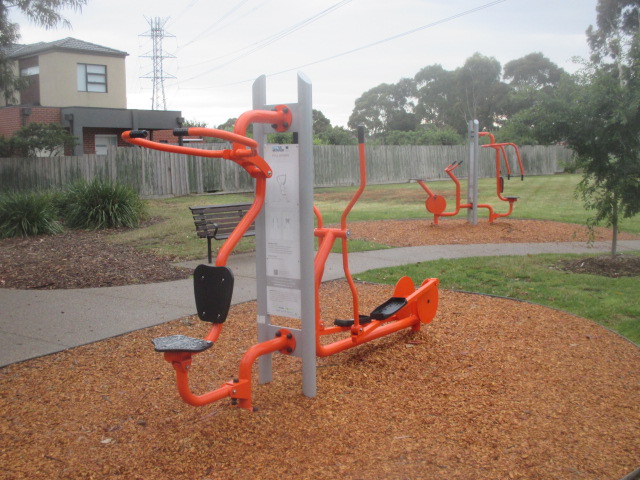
(159, 174)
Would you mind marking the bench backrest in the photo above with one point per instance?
(218, 221)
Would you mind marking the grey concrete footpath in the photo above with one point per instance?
(39, 322)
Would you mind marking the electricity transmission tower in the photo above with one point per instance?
(157, 75)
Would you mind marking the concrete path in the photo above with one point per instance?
(39, 322)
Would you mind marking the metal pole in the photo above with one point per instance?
(472, 186)
(305, 141)
(264, 320)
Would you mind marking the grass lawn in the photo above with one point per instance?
(546, 198)
(534, 278)
(541, 198)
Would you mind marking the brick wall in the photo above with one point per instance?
(15, 117)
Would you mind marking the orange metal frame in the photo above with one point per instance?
(437, 204)
(421, 303)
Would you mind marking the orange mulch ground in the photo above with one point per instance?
(407, 233)
(491, 389)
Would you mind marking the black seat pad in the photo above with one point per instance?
(213, 288)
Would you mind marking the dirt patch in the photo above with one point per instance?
(491, 388)
(80, 259)
(607, 265)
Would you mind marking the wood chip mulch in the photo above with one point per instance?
(408, 233)
(491, 389)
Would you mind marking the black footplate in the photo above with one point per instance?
(213, 288)
(181, 343)
(388, 308)
(364, 319)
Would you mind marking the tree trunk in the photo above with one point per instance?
(614, 224)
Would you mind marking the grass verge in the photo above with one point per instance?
(545, 198)
(537, 279)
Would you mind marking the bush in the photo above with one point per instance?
(25, 214)
(100, 204)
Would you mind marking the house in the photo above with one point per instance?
(81, 86)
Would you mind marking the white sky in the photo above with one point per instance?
(207, 34)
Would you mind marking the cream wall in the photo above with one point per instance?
(59, 83)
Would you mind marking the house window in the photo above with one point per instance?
(92, 78)
(29, 71)
(103, 142)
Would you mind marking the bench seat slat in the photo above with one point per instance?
(219, 221)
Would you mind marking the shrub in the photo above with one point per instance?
(28, 213)
(101, 204)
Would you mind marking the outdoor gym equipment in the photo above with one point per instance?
(437, 204)
(288, 272)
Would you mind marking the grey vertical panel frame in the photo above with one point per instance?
(305, 140)
(302, 123)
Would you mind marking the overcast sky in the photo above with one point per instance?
(220, 47)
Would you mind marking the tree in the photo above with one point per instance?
(479, 92)
(530, 78)
(37, 139)
(386, 107)
(190, 122)
(434, 91)
(604, 123)
(41, 12)
(452, 98)
(532, 71)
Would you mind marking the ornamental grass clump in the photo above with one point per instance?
(101, 204)
(23, 214)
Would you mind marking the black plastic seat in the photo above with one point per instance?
(181, 343)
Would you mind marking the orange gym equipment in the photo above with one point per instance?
(409, 307)
(437, 204)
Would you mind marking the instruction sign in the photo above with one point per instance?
(282, 225)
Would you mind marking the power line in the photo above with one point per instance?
(184, 10)
(363, 47)
(214, 25)
(260, 44)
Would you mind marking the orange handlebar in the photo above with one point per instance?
(247, 158)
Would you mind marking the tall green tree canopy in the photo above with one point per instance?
(436, 97)
(601, 118)
(532, 71)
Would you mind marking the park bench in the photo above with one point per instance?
(219, 221)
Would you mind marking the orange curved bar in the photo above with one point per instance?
(214, 333)
(425, 188)
(280, 118)
(449, 171)
(244, 224)
(363, 180)
(240, 388)
(246, 158)
(343, 225)
(284, 343)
